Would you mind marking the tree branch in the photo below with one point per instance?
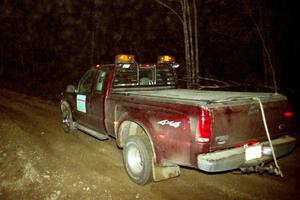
(264, 46)
(172, 10)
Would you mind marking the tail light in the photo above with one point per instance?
(288, 115)
(204, 127)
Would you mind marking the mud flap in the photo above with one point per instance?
(164, 172)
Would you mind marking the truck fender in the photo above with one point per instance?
(130, 127)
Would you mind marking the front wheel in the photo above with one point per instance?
(67, 122)
(137, 157)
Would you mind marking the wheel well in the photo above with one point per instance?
(129, 128)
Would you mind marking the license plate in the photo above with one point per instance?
(253, 152)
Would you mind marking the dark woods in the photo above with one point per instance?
(47, 44)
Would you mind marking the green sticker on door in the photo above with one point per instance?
(81, 103)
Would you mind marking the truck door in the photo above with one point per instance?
(96, 114)
(83, 96)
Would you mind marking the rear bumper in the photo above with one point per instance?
(235, 158)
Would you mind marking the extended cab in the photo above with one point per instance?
(161, 127)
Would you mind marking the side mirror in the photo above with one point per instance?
(70, 89)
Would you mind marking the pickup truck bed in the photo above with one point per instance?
(235, 116)
(202, 97)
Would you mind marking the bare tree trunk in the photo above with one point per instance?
(190, 36)
(92, 47)
(1, 61)
(22, 63)
(265, 62)
(269, 70)
(191, 46)
(186, 43)
(92, 14)
(196, 43)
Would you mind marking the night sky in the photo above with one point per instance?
(45, 45)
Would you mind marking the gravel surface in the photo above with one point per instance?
(39, 161)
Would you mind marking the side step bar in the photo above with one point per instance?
(91, 132)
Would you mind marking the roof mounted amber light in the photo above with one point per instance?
(165, 59)
(124, 58)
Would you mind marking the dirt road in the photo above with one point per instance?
(39, 161)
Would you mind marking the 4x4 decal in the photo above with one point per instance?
(170, 123)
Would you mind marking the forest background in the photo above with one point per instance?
(245, 45)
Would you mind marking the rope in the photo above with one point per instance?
(277, 168)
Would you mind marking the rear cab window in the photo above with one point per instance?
(143, 75)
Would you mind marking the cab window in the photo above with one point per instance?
(100, 81)
(86, 82)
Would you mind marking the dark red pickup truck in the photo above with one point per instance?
(161, 127)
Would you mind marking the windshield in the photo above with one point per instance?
(144, 75)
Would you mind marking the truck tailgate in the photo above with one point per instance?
(239, 121)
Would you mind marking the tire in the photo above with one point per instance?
(66, 119)
(137, 158)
